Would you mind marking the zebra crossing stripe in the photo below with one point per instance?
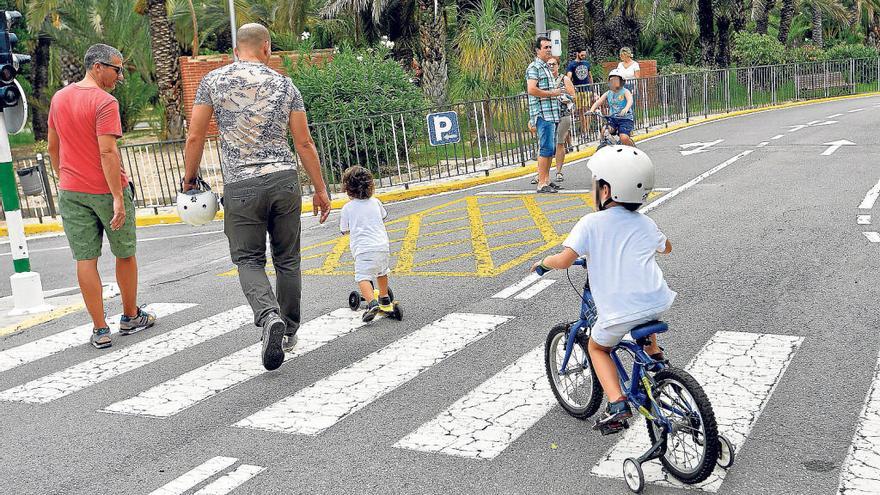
(106, 366)
(739, 372)
(535, 289)
(513, 289)
(326, 402)
(53, 344)
(173, 396)
(232, 480)
(860, 474)
(492, 416)
(197, 475)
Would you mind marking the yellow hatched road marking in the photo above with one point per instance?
(541, 220)
(447, 231)
(436, 262)
(445, 220)
(482, 255)
(515, 244)
(335, 255)
(407, 254)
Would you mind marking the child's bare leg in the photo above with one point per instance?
(366, 290)
(605, 370)
(383, 285)
(626, 140)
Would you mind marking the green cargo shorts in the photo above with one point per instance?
(87, 216)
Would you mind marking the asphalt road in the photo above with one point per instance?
(767, 245)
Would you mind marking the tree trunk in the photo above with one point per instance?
(432, 32)
(575, 14)
(738, 11)
(195, 22)
(764, 7)
(706, 21)
(599, 39)
(165, 57)
(874, 29)
(722, 51)
(40, 82)
(818, 27)
(631, 27)
(71, 68)
(786, 14)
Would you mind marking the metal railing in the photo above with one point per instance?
(494, 132)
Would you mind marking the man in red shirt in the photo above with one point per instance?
(94, 196)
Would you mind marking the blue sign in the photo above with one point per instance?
(443, 128)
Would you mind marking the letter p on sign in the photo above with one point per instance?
(443, 128)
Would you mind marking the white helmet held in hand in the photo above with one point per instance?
(198, 206)
(627, 170)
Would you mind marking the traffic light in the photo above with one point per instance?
(10, 62)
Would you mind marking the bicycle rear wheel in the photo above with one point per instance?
(577, 389)
(692, 445)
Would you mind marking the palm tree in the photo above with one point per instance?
(575, 14)
(166, 52)
(762, 20)
(818, 35)
(432, 34)
(599, 33)
(706, 22)
(786, 14)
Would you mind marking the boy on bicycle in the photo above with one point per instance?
(620, 103)
(620, 244)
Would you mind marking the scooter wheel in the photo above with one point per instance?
(354, 300)
(633, 475)
(397, 314)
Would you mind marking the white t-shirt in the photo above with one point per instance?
(629, 73)
(625, 279)
(364, 218)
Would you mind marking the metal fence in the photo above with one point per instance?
(494, 132)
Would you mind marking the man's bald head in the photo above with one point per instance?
(252, 37)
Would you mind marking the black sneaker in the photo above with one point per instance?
(614, 418)
(555, 185)
(372, 310)
(547, 189)
(273, 332)
(288, 343)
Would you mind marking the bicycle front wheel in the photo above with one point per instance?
(692, 444)
(576, 387)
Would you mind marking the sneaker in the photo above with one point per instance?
(101, 338)
(547, 189)
(273, 334)
(134, 324)
(385, 304)
(288, 343)
(372, 310)
(555, 185)
(614, 419)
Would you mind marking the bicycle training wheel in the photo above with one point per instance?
(577, 389)
(692, 445)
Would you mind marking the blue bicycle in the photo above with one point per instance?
(681, 422)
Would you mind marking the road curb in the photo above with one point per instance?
(419, 191)
(42, 318)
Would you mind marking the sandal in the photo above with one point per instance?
(559, 177)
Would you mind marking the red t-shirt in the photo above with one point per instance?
(79, 115)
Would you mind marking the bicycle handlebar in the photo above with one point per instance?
(578, 262)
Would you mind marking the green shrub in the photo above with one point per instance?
(846, 51)
(135, 96)
(805, 53)
(680, 69)
(359, 89)
(751, 49)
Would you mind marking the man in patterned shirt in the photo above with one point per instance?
(255, 107)
(543, 110)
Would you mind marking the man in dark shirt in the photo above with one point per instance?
(578, 71)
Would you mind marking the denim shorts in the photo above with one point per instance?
(623, 126)
(546, 137)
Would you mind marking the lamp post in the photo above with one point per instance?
(232, 26)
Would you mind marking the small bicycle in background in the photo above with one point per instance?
(681, 422)
(607, 135)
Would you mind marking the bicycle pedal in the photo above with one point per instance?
(611, 428)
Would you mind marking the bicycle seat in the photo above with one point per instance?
(647, 329)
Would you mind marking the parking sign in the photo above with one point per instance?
(443, 128)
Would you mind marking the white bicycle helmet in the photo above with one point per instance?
(198, 206)
(627, 170)
(616, 72)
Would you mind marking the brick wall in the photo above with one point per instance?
(193, 69)
(648, 67)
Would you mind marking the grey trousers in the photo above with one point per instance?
(252, 208)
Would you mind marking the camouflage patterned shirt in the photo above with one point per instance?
(252, 105)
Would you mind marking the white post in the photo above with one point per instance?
(233, 26)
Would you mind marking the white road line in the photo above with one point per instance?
(173, 396)
(147, 239)
(872, 236)
(863, 219)
(110, 365)
(197, 475)
(231, 481)
(691, 183)
(778, 136)
(326, 402)
(53, 344)
(762, 144)
(834, 116)
(870, 197)
(530, 191)
(490, 417)
(535, 289)
(739, 372)
(522, 284)
(860, 473)
(855, 110)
